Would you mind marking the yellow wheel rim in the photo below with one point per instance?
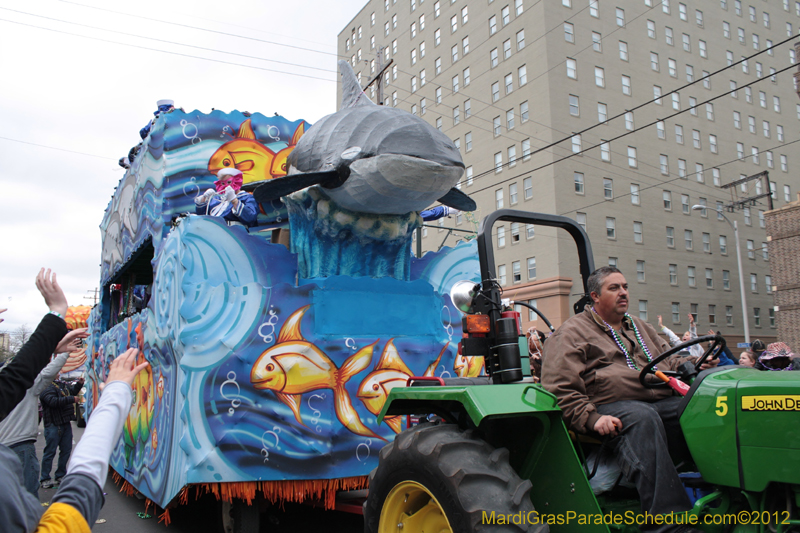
(410, 507)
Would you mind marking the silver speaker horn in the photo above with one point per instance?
(463, 295)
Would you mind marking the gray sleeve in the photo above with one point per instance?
(82, 493)
(19, 509)
(46, 376)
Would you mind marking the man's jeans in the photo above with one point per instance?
(56, 437)
(26, 451)
(642, 449)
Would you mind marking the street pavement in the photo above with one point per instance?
(119, 514)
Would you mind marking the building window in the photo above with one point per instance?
(723, 245)
(520, 40)
(657, 94)
(468, 141)
(623, 50)
(512, 161)
(629, 121)
(709, 278)
(676, 311)
(632, 162)
(668, 36)
(687, 238)
(516, 272)
(576, 144)
(667, 196)
(651, 29)
(726, 280)
(608, 189)
(506, 48)
(771, 317)
(612, 262)
(712, 143)
(611, 228)
(643, 310)
(637, 232)
(530, 231)
(523, 112)
(620, 17)
(569, 32)
(753, 283)
(757, 316)
(599, 76)
(522, 74)
(640, 271)
(673, 280)
(605, 152)
(634, 194)
(670, 237)
(594, 9)
(527, 187)
(660, 130)
(580, 218)
(768, 283)
(578, 176)
(495, 91)
(678, 134)
(597, 42)
(751, 254)
(572, 69)
(690, 276)
(498, 167)
(531, 268)
(501, 275)
(492, 24)
(712, 314)
(664, 164)
(532, 316)
(728, 315)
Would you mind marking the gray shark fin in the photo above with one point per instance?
(352, 95)
(458, 200)
(286, 185)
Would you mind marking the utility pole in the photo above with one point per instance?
(95, 296)
(379, 76)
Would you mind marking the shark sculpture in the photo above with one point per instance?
(373, 159)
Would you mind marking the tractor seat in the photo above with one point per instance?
(465, 382)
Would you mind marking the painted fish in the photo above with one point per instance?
(373, 159)
(294, 366)
(244, 153)
(279, 167)
(468, 366)
(390, 372)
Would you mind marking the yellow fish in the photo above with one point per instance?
(390, 372)
(468, 366)
(293, 366)
(244, 153)
(278, 168)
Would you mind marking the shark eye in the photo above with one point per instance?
(375, 387)
(283, 167)
(226, 162)
(270, 367)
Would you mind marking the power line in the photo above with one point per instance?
(117, 32)
(54, 148)
(167, 51)
(201, 29)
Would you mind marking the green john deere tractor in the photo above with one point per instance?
(493, 454)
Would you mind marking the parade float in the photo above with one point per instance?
(270, 358)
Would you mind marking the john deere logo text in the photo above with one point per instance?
(771, 403)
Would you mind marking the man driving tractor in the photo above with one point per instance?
(592, 365)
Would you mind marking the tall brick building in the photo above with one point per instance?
(783, 241)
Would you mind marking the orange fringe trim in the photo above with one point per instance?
(297, 491)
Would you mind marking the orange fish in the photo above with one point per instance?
(294, 366)
(244, 153)
(468, 366)
(278, 167)
(390, 372)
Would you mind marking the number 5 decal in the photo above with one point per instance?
(722, 406)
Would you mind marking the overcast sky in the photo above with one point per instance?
(63, 92)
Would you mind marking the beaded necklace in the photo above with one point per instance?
(621, 345)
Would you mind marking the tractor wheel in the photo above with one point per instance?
(438, 478)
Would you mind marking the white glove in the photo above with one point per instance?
(228, 195)
(205, 197)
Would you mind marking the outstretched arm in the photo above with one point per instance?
(19, 375)
(81, 493)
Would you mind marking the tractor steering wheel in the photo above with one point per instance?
(648, 369)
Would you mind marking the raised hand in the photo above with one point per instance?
(51, 291)
(71, 341)
(124, 367)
